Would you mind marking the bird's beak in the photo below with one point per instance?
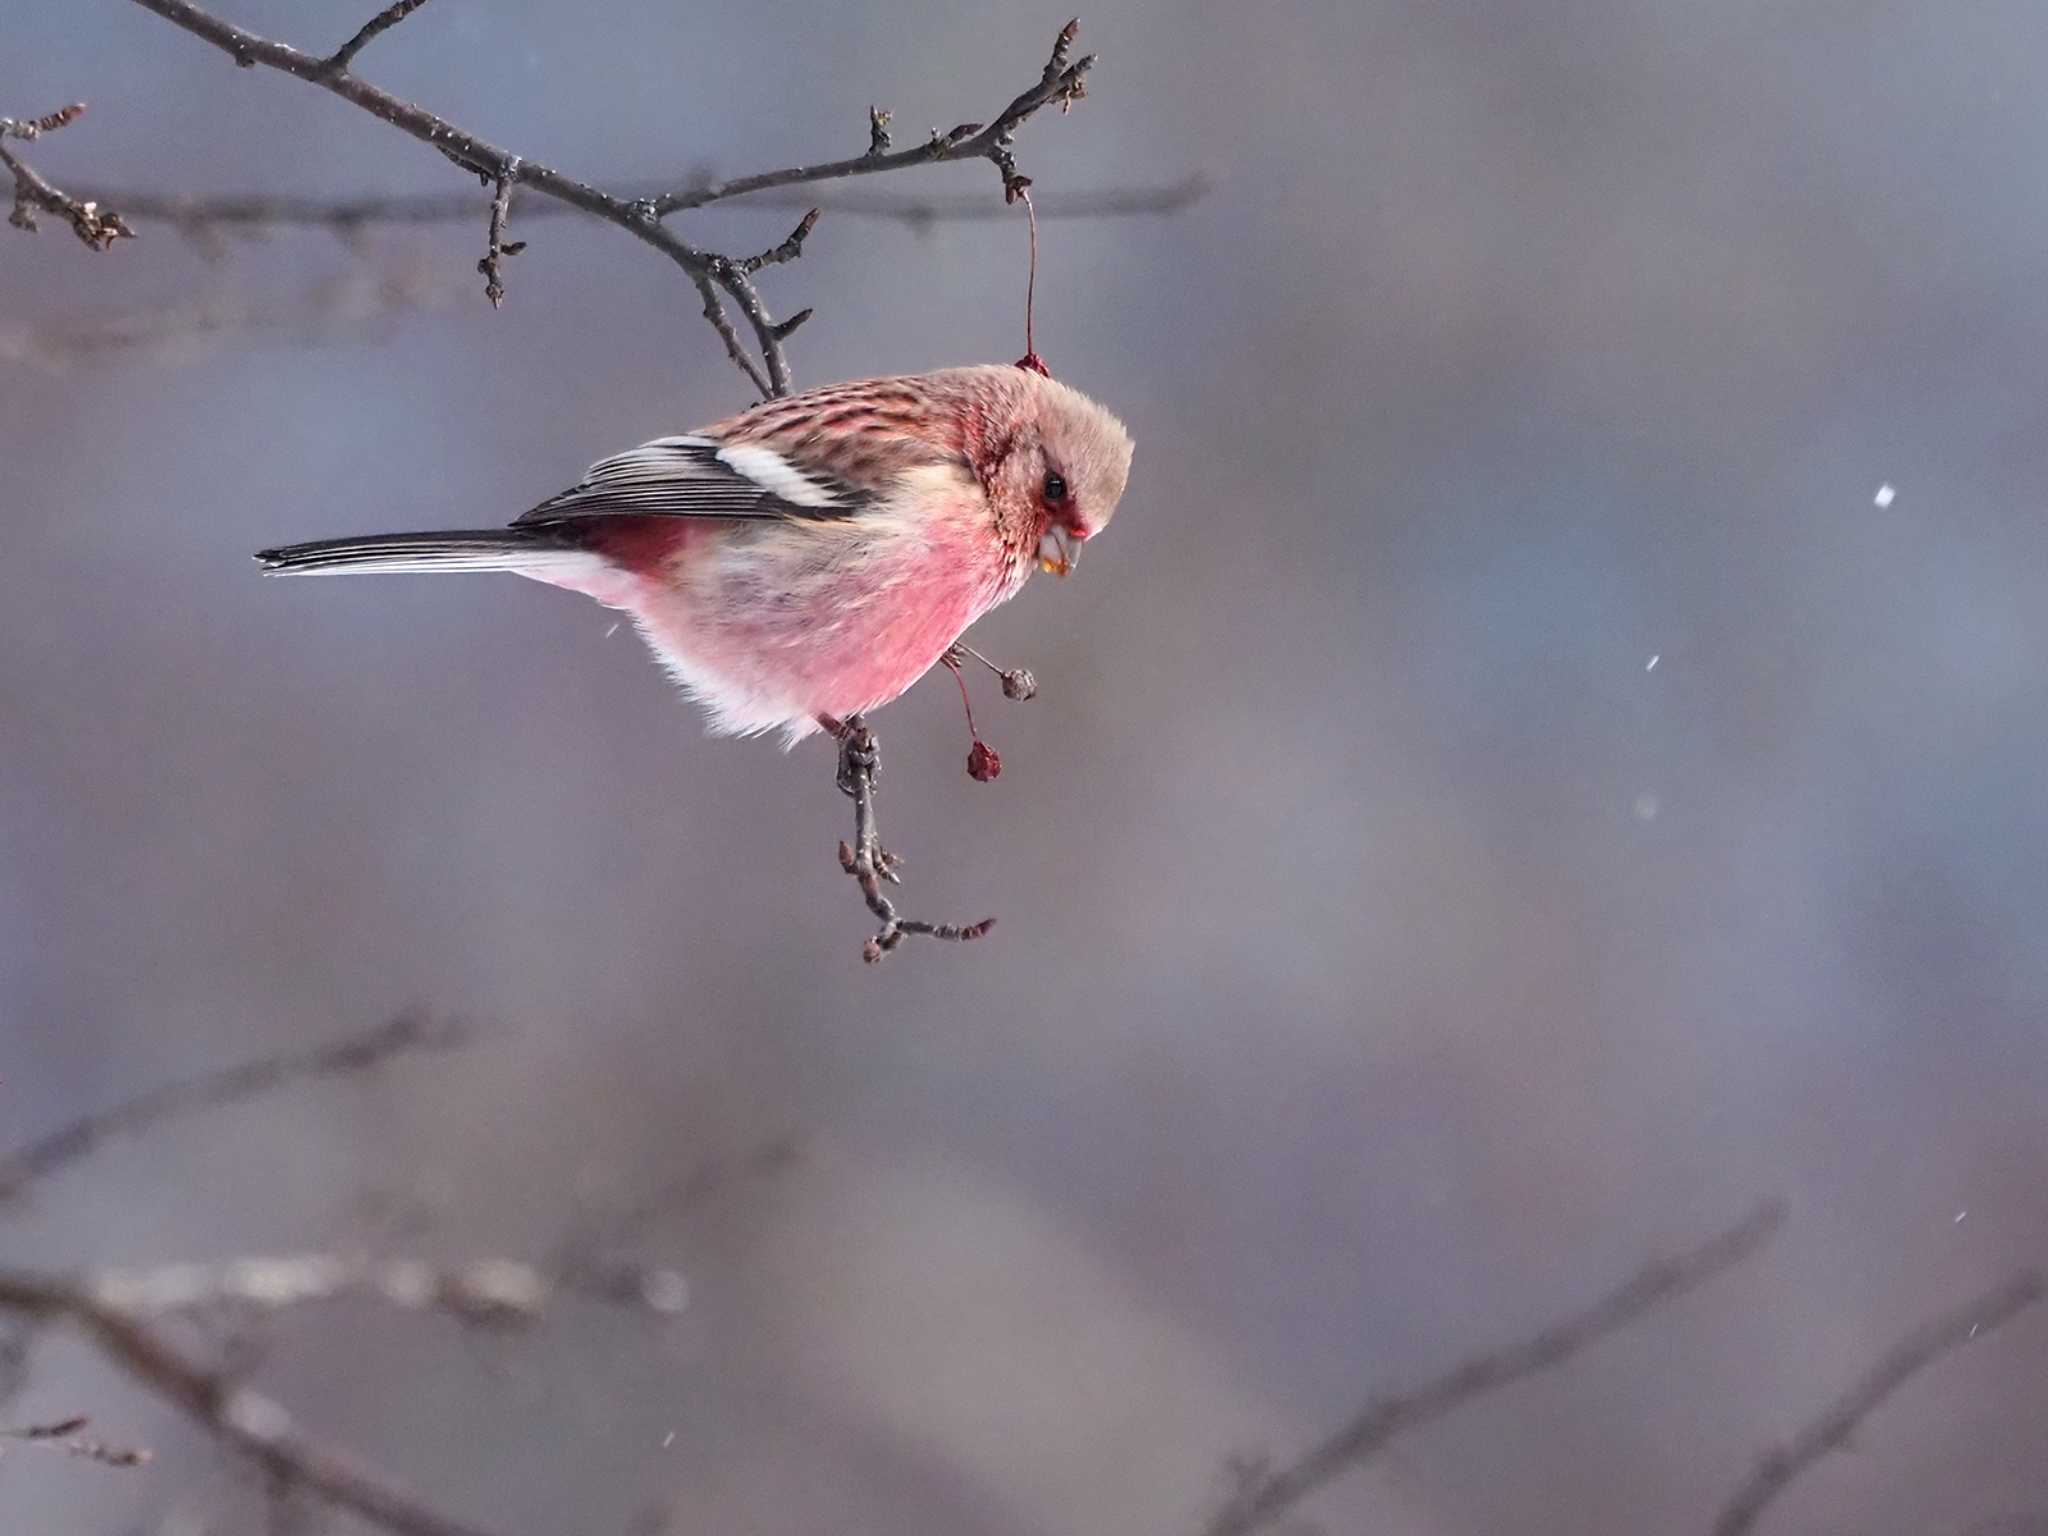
(1056, 551)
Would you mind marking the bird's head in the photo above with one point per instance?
(1057, 466)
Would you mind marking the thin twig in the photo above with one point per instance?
(30, 129)
(98, 227)
(1268, 1495)
(1064, 80)
(382, 22)
(789, 250)
(498, 248)
(251, 1423)
(727, 274)
(860, 761)
(345, 1057)
(715, 315)
(1837, 1424)
(64, 1436)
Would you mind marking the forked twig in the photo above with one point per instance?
(718, 278)
(860, 760)
(96, 226)
(378, 24)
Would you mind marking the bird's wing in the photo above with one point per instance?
(700, 476)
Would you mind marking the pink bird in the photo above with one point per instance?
(809, 559)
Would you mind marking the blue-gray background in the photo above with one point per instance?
(1389, 956)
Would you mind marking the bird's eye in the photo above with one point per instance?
(1055, 488)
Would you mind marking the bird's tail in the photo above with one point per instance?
(529, 551)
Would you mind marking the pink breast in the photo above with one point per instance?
(773, 626)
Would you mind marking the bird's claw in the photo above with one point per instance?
(860, 757)
(881, 863)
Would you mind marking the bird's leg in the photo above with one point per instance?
(860, 769)
(860, 766)
(841, 731)
(860, 761)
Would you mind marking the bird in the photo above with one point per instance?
(804, 562)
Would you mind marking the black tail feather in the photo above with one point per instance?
(478, 549)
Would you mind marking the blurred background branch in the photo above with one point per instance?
(118, 1310)
(1267, 1495)
(1264, 1495)
(208, 220)
(1834, 1428)
(363, 299)
(495, 1292)
(348, 1056)
(243, 1419)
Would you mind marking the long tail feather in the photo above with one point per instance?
(529, 551)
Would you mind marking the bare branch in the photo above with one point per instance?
(378, 24)
(860, 761)
(345, 1057)
(727, 274)
(253, 1424)
(116, 1309)
(1062, 81)
(486, 159)
(98, 227)
(716, 277)
(1839, 1421)
(501, 207)
(714, 313)
(1268, 1495)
